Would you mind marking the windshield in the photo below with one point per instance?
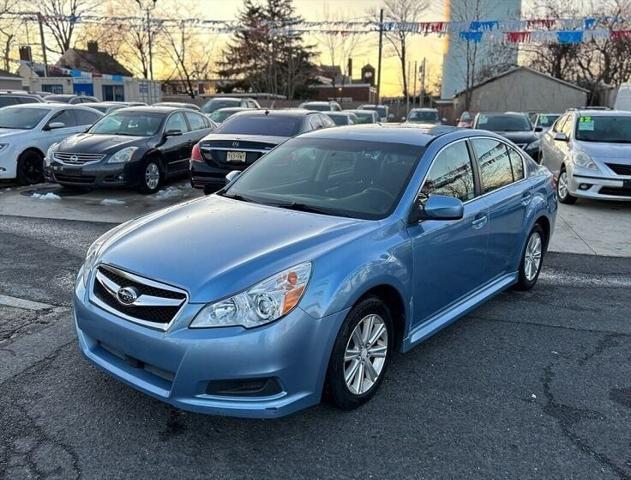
(601, 128)
(423, 116)
(504, 123)
(546, 120)
(220, 115)
(364, 117)
(351, 178)
(217, 103)
(136, 124)
(22, 117)
(273, 125)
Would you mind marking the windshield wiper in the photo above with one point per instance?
(302, 207)
(238, 197)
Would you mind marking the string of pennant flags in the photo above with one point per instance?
(532, 30)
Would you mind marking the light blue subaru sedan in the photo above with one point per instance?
(309, 270)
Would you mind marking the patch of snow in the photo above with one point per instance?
(112, 201)
(46, 196)
(169, 192)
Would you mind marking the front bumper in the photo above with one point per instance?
(599, 187)
(176, 366)
(95, 175)
(8, 163)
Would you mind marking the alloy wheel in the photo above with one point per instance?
(562, 187)
(152, 176)
(365, 354)
(532, 256)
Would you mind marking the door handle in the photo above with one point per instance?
(526, 197)
(479, 222)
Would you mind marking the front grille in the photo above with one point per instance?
(618, 192)
(77, 158)
(156, 304)
(82, 179)
(620, 169)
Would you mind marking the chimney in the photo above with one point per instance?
(93, 47)
(26, 54)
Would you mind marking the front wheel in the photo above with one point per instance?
(531, 259)
(30, 168)
(361, 354)
(151, 177)
(563, 191)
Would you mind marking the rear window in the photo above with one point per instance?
(503, 123)
(273, 125)
(216, 103)
(423, 116)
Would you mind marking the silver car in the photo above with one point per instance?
(589, 153)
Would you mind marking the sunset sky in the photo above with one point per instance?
(430, 47)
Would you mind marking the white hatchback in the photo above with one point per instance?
(28, 131)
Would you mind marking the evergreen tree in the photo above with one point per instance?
(266, 54)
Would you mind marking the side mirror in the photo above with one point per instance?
(173, 133)
(561, 137)
(232, 176)
(538, 128)
(438, 207)
(444, 120)
(54, 125)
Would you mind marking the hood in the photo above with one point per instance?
(95, 143)
(214, 246)
(9, 132)
(605, 151)
(519, 137)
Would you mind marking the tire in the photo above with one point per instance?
(533, 252)
(361, 388)
(563, 194)
(148, 182)
(30, 168)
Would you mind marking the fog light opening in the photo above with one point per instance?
(585, 186)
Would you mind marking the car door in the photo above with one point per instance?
(199, 127)
(449, 257)
(175, 149)
(65, 116)
(553, 149)
(507, 196)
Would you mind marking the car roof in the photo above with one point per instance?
(602, 113)
(286, 112)
(424, 109)
(355, 110)
(234, 109)
(157, 108)
(238, 99)
(52, 106)
(318, 102)
(412, 134)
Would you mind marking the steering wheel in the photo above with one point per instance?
(388, 196)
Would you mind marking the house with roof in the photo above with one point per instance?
(89, 72)
(521, 89)
(10, 81)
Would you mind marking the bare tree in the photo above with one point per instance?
(60, 18)
(402, 13)
(10, 27)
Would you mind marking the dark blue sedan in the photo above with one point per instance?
(310, 268)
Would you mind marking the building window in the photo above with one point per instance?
(113, 93)
(53, 88)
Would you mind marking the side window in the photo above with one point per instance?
(495, 165)
(326, 121)
(84, 117)
(176, 122)
(196, 121)
(66, 117)
(451, 174)
(517, 163)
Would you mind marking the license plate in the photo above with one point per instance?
(236, 157)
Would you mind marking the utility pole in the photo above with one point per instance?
(148, 9)
(407, 92)
(380, 54)
(422, 99)
(414, 90)
(41, 37)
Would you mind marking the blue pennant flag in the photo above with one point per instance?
(484, 26)
(471, 36)
(570, 37)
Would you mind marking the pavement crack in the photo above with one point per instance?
(545, 325)
(568, 416)
(608, 341)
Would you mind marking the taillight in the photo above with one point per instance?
(196, 154)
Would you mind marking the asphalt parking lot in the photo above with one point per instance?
(532, 385)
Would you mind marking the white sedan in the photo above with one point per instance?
(27, 131)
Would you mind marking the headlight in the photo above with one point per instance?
(263, 303)
(3, 146)
(581, 159)
(123, 156)
(49, 153)
(95, 250)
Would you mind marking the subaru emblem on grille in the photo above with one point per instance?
(74, 159)
(235, 144)
(127, 295)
